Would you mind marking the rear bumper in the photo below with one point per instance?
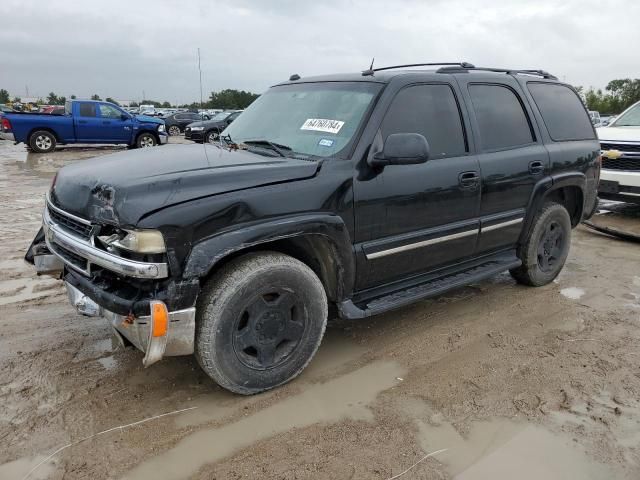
(178, 340)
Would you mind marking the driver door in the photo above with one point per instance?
(412, 219)
(113, 125)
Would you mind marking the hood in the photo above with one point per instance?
(120, 189)
(147, 119)
(622, 134)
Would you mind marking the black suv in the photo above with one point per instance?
(209, 130)
(364, 192)
(176, 123)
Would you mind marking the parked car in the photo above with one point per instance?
(177, 122)
(86, 121)
(595, 118)
(365, 192)
(620, 143)
(209, 130)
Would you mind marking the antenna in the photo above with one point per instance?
(370, 71)
(200, 70)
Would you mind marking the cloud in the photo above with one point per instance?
(120, 48)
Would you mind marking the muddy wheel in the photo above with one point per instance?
(259, 322)
(146, 140)
(212, 137)
(174, 130)
(543, 254)
(42, 141)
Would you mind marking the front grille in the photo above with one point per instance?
(71, 257)
(73, 226)
(622, 147)
(629, 164)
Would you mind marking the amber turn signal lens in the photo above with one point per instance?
(159, 319)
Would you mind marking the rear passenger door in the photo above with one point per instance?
(88, 124)
(412, 219)
(511, 154)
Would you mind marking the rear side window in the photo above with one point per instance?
(501, 118)
(87, 110)
(432, 111)
(562, 112)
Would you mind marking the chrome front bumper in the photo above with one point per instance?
(179, 339)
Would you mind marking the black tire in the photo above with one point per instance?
(42, 141)
(259, 322)
(544, 252)
(211, 136)
(146, 140)
(174, 130)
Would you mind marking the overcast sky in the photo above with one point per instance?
(119, 48)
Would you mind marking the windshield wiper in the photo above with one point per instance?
(276, 147)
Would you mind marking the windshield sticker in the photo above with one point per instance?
(326, 142)
(322, 125)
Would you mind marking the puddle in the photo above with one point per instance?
(108, 363)
(19, 468)
(335, 352)
(502, 449)
(344, 397)
(574, 293)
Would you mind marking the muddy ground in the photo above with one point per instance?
(513, 382)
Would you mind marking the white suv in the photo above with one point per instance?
(620, 144)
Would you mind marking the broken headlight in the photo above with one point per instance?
(139, 241)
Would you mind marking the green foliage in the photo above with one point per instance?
(165, 105)
(95, 96)
(111, 100)
(618, 95)
(4, 96)
(62, 100)
(73, 97)
(133, 104)
(230, 99)
(52, 99)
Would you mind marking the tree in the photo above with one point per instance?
(229, 99)
(4, 96)
(619, 95)
(95, 96)
(73, 97)
(17, 99)
(110, 100)
(166, 105)
(62, 100)
(133, 104)
(52, 99)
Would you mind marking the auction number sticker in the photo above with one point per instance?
(322, 125)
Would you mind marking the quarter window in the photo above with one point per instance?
(501, 118)
(432, 111)
(562, 111)
(87, 110)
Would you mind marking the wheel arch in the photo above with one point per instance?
(46, 129)
(566, 189)
(152, 132)
(321, 242)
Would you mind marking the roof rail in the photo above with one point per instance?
(509, 71)
(462, 65)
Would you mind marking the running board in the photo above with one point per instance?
(350, 310)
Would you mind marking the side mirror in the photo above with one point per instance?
(402, 149)
(124, 117)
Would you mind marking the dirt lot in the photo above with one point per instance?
(513, 382)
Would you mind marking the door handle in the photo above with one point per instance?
(469, 179)
(536, 167)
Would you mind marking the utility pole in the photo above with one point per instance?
(200, 70)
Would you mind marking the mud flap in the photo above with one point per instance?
(39, 256)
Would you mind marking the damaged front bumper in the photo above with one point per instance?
(178, 338)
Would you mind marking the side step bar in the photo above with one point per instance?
(349, 310)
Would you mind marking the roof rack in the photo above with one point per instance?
(508, 71)
(462, 65)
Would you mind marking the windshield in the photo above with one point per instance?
(221, 116)
(631, 118)
(309, 118)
